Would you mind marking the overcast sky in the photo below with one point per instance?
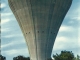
(13, 42)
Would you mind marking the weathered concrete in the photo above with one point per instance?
(40, 21)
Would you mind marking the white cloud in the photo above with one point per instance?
(3, 21)
(71, 22)
(64, 28)
(75, 14)
(9, 36)
(3, 5)
(79, 36)
(5, 29)
(63, 41)
(5, 14)
(77, 10)
(76, 18)
(6, 45)
(23, 51)
(59, 42)
(12, 43)
(13, 35)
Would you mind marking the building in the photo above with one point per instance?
(2, 57)
(40, 21)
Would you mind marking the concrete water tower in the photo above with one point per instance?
(40, 21)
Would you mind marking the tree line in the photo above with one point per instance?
(64, 55)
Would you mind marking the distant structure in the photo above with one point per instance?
(40, 21)
(21, 58)
(2, 57)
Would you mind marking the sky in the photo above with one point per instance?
(13, 42)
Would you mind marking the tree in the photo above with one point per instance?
(64, 55)
(78, 57)
(21, 58)
(2, 57)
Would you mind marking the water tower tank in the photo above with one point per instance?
(40, 21)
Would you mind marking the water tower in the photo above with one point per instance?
(40, 21)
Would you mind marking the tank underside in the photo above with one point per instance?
(40, 21)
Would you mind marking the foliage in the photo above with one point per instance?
(21, 58)
(64, 55)
(77, 58)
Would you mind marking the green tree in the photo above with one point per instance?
(78, 57)
(74, 58)
(64, 55)
(21, 58)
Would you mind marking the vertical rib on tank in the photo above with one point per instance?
(40, 21)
